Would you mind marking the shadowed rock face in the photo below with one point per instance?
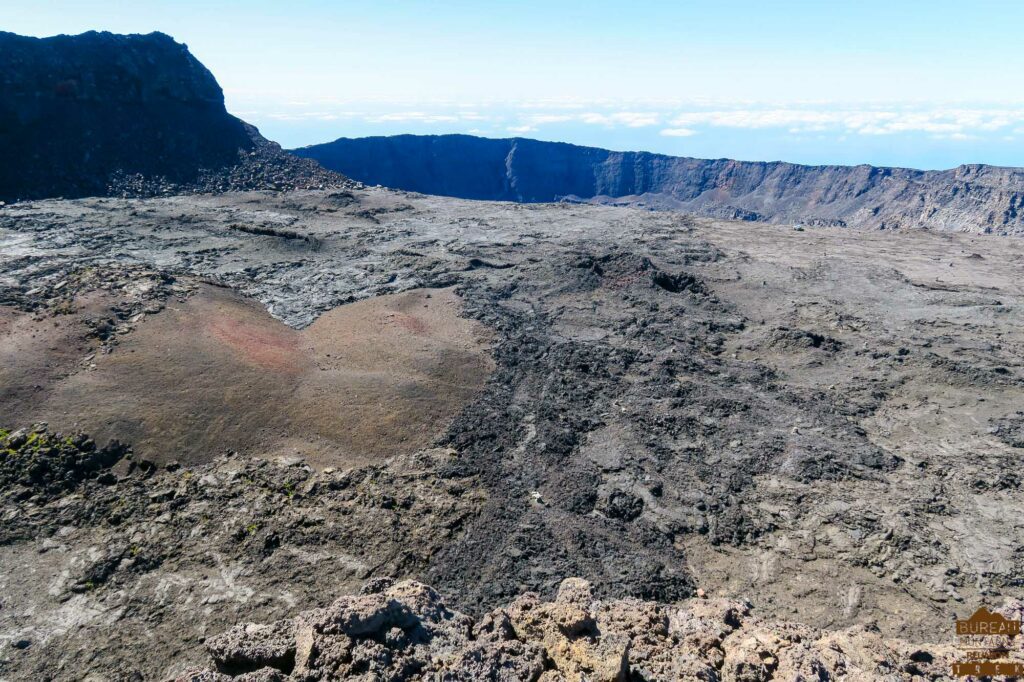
(76, 109)
(970, 198)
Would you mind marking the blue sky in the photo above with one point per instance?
(924, 84)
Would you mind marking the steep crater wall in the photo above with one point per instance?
(76, 109)
(973, 198)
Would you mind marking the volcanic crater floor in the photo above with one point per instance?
(213, 372)
(324, 387)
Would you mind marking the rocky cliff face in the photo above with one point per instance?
(971, 198)
(78, 108)
(98, 112)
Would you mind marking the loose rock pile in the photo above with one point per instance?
(263, 167)
(404, 631)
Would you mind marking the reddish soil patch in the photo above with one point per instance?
(410, 323)
(258, 343)
(217, 373)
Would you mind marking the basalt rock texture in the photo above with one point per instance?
(35, 462)
(101, 113)
(825, 422)
(970, 198)
(404, 631)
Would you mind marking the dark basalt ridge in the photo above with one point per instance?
(101, 113)
(973, 198)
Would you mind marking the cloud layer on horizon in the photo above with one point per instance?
(942, 121)
(912, 134)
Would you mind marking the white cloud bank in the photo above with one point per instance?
(630, 119)
(955, 124)
(415, 117)
(950, 123)
(678, 132)
(670, 119)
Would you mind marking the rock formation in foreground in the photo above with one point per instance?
(100, 113)
(404, 631)
(972, 198)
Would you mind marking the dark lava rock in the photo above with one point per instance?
(263, 167)
(102, 113)
(78, 108)
(620, 504)
(518, 169)
(37, 461)
(784, 337)
(1010, 430)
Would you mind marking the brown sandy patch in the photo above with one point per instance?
(217, 373)
(37, 353)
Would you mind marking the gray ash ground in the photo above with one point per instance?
(824, 422)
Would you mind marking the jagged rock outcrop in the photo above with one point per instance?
(974, 198)
(404, 631)
(37, 462)
(102, 113)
